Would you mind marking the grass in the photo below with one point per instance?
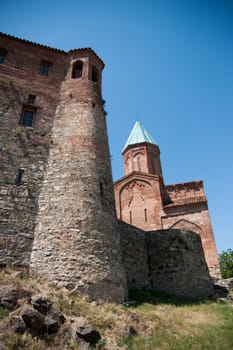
(181, 324)
(157, 321)
(3, 312)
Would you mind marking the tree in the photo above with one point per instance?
(226, 263)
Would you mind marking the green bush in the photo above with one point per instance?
(226, 263)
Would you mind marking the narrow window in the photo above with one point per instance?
(77, 70)
(31, 99)
(19, 179)
(138, 164)
(101, 189)
(153, 166)
(27, 117)
(145, 215)
(3, 54)
(94, 74)
(45, 68)
(130, 217)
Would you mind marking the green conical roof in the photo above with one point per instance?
(138, 135)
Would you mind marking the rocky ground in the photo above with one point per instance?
(34, 315)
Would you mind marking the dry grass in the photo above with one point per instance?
(161, 322)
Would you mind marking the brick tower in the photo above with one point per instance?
(76, 240)
(138, 193)
(141, 153)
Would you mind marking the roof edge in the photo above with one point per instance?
(31, 43)
(83, 49)
(50, 48)
(139, 144)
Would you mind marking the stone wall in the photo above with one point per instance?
(195, 217)
(177, 264)
(134, 254)
(171, 261)
(22, 147)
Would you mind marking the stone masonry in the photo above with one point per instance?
(58, 214)
(76, 240)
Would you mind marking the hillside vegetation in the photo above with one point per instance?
(155, 322)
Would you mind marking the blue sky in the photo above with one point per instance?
(169, 65)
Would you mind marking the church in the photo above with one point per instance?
(143, 200)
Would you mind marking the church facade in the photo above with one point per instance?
(143, 200)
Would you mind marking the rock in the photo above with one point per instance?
(3, 347)
(33, 319)
(220, 291)
(9, 296)
(52, 325)
(42, 317)
(41, 303)
(227, 283)
(87, 333)
(56, 314)
(17, 325)
(130, 331)
(90, 336)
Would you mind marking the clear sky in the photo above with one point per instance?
(169, 65)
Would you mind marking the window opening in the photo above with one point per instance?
(153, 166)
(77, 70)
(101, 189)
(19, 179)
(28, 117)
(31, 99)
(145, 215)
(3, 54)
(138, 164)
(130, 217)
(94, 74)
(45, 68)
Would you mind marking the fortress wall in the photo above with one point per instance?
(177, 264)
(195, 218)
(22, 147)
(171, 261)
(134, 253)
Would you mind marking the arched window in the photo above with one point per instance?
(94, 74)
(77, 70)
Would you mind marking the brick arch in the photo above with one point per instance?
(186, 225)
(135, 206)
(138, 153)
(127, 165)
(133, 181)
